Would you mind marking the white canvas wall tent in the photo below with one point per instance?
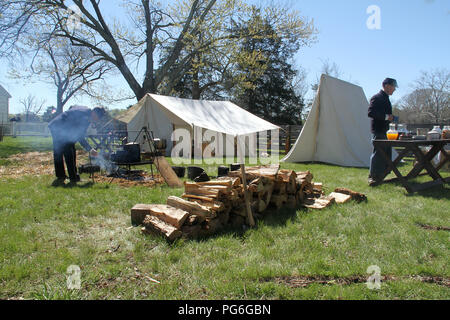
(337, 130)
(163, 114)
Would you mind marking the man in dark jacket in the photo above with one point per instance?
(67, 129)
(380, 111)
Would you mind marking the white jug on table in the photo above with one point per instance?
(435, 133)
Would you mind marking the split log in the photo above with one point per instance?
(264, 171)
(256, 185)
(291, 201)
(304, 176)
(300, 197)
(357, 196)
(166, 213)
(234, 195)
(318, 186)
(138, 213)
(189, 206)
(195, 189)
(219, 182)
(194, 219)
(306, 187)
(197, 197)
(224, 216)
(252, 173)
(268, 195)
(211, 226)
(191, 232)
(258, 205)
(235, 181)
(214, 206)
(319, 203)
(154, 225)
(340, 197)
(278, 200)
(280, 187)
(223, 187)
(289, 178)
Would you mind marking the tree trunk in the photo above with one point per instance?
(195, 86)
(59, 99)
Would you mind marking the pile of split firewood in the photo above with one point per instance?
(206, 207)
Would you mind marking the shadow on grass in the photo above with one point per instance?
(85, 185)
(272, 217)
(439, 193)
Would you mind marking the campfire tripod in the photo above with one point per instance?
(148, 136)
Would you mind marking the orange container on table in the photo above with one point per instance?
(392, 133)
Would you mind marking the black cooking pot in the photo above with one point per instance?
(222, 171)
(133, 151)
(194, 172)
(235, 166)
(180, 171)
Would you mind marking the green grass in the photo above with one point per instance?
(44, 230)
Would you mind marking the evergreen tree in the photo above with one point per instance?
(270, 95)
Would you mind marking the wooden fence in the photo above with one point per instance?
(26, 129)
(288, 136)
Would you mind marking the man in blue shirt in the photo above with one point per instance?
(380, 112)
(67, 129)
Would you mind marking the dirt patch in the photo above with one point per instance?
(41, 163)
(435, 228)
(31, 163)
(305, 281)
(144, 180)
(436, 280)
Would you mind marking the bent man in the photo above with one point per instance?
(67, 129)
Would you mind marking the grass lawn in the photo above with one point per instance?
(292, 254)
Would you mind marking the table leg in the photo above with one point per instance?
(445, 160)
(397, 160)
(424, 162)
(392, 167)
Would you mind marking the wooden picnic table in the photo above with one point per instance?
(424, 161)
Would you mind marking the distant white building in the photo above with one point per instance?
(4, 105)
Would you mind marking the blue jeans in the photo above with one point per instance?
(378, 164)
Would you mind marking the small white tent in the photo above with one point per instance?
(337, 130)
(163, 114)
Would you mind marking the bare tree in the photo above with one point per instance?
(151, 28)
(330, 69)
(111, 40)
(72, 70)
(31, 107)
(430, 99)
(435, 88)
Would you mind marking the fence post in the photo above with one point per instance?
(13, 129)
(287, 145)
